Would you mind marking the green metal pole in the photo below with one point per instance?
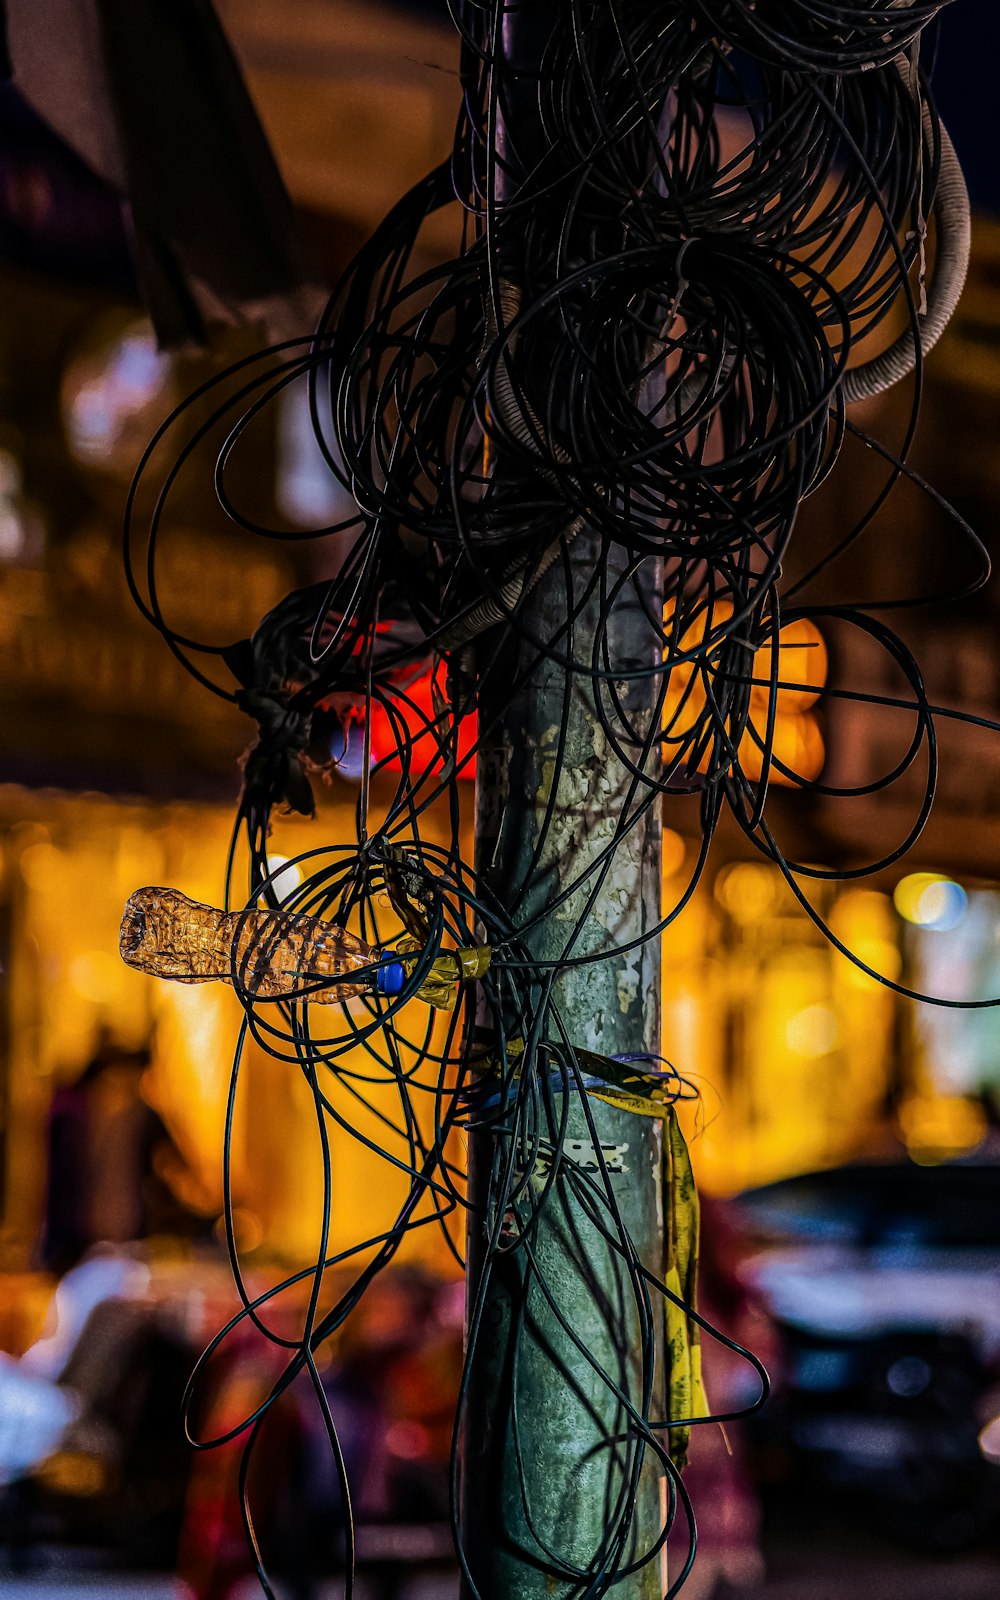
(547, 1446)
(544, 1437)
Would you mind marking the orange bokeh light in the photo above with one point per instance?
(797, 739)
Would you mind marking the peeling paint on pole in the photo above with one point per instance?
(521, 1508)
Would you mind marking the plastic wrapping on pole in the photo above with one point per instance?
(547, 1447)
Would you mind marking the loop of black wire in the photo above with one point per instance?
(647, 323)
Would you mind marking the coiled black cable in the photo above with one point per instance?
(653, 324)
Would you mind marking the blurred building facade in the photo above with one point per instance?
(118, 770)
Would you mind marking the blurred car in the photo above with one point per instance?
(884, 1282)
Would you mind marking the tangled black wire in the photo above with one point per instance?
(678, 222)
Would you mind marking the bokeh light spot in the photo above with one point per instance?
(930, 900)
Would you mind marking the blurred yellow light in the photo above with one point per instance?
(881, 955)
(812, 1031)
(74, 1472)
(939, 1127)
(930, 900)
(674, 851)
(247, 1230)
(96, 975)
(802, 666)
(796, 742)
(802, 661)
(864, 920)
(38, 862)
(747, 891)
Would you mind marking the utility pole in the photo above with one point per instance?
(547, 1446)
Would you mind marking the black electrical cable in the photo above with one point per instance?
(650, 323)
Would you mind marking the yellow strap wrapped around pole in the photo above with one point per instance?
(686, 1391)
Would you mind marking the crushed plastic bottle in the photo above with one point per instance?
(276, 955)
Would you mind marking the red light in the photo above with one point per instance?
(422, 709)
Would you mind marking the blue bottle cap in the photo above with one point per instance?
(391, 977)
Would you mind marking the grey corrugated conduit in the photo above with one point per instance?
(953, 242)
(864, 382)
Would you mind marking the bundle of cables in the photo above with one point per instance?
(577, 452)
